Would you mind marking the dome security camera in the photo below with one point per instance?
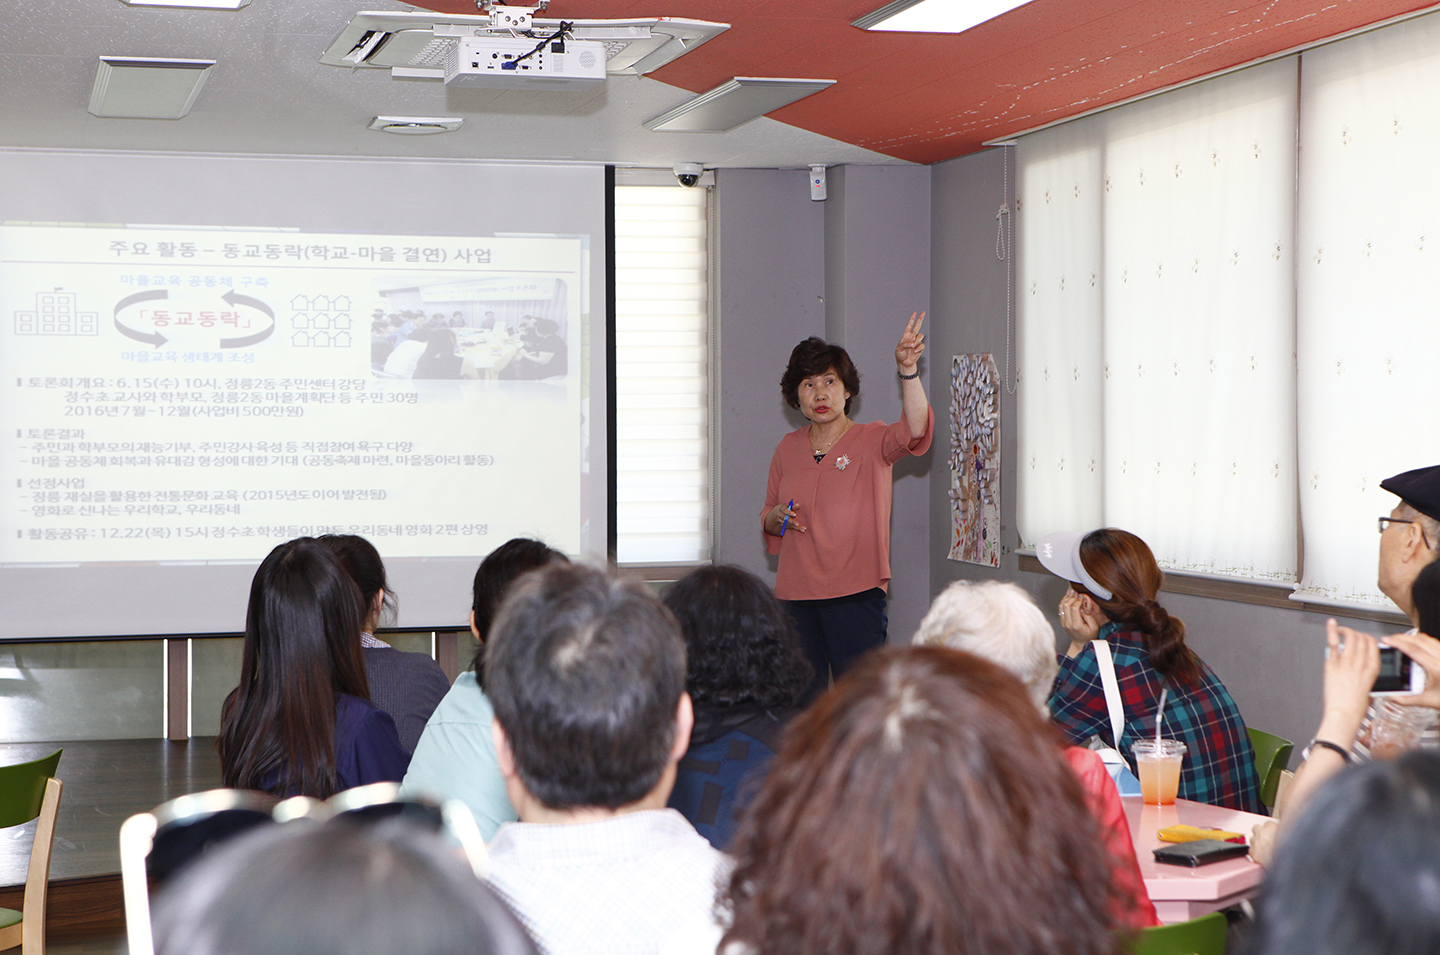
(688, 173)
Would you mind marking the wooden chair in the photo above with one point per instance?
(1202, 936)
(1272, 754)
(27, 791)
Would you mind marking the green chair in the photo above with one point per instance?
(27, 791)
(1202, 936)
(1272, 755)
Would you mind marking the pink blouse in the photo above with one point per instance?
(844, 503)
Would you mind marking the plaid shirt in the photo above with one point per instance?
(1219, 765)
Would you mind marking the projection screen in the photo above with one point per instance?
(205, 356)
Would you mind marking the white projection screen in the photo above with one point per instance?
(191, 373)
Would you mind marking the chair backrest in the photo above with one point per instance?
(1202, 936)
(22, 789)
(1272, 755)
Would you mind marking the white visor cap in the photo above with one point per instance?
(1060, 554)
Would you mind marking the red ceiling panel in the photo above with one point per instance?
(926, 98)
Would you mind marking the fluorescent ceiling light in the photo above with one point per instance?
(934, 16)
(734, 103)
(193, 4)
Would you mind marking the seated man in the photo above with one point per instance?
(586, 675)
(1409, 543)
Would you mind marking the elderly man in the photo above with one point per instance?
(586, 675)
(1409, 542)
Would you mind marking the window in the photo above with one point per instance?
(662, 331)
(1221, 362)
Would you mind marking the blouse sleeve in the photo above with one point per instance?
(897, 441)
(1077, 701)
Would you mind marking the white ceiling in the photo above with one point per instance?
(269, 94)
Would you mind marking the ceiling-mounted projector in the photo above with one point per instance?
(420, 44)
(504, 63)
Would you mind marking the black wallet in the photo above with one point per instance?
(1199, 852)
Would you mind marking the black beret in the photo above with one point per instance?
(1419, 488)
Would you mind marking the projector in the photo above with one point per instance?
(516, 63)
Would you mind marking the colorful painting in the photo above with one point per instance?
(975, 460)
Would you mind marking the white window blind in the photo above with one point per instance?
(1156, 315)
(662, 459)
(1368, 281)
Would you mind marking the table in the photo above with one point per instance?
(488, 351)
(1182, 893)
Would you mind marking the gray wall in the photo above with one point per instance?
(850, 269)
(1270, 659)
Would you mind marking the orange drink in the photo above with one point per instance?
(1157, 763)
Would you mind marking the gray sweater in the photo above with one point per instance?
(408, 686)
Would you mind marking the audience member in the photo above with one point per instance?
(1409, 543)
(336, 889)
(440, 360)
(402, 361)
(543, 354)
(455, 758)
(1114, 583)
(745, 674)
(1365, 880)
(587, 677)
(408, 686)
(921, 806)
(1000, 623)
(301, 720)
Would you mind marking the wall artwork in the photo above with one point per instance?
(975, 460)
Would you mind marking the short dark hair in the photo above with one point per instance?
(740, 643)
(336, 889)
(585, 672)
(496, 573)
(923, 804)
(362, 562)
(1359, 874)
(815, 356)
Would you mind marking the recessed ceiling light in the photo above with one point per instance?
(934, 16)
(147, 87)
(193, 4)
(415, 125)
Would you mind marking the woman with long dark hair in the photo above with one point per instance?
(1114, 582)
(408, 686)
(921, 806)
(827, 500)
(745, 674)
(301, 721)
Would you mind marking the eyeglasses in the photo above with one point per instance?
(1400, 520)
(159, 843)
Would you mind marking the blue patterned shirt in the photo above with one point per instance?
(1219, 766)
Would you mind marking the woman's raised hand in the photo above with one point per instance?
(912, 344)
(1081, 619)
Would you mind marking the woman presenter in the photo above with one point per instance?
(827, 502)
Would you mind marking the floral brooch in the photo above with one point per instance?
(842, 462)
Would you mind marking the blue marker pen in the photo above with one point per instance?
(786, 523)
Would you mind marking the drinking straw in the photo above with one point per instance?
(1160, 716)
